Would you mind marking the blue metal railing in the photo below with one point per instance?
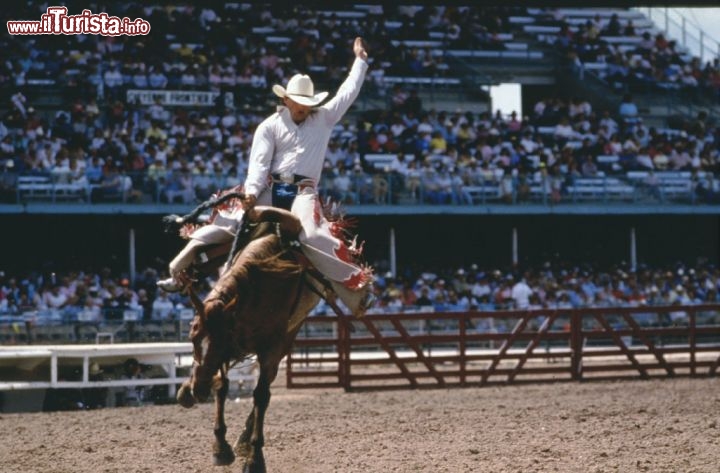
(387, 188)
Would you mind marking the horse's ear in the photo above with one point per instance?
(230, 305)
(212, 312)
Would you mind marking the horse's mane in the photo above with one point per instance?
(266, 255)
(269, 256)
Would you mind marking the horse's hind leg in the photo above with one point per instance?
(222, 453)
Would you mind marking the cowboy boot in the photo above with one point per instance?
(168, 285)
(358, 301)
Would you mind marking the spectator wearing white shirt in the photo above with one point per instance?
(334, 153)
(54, 297)
(187, 79)
(113, 77)
(342, 186)
(609, 122)
(207, 16)
(481, 287)
(113, 82)
(162, 307)
(157, 111)
(564, 132)
(521, 294)
(157, 79)
(139, 79)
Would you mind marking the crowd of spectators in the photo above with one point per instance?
(104, 296)
(160, 154)
(120, 150)
(87, 296)
(242, 47)
(560, 140)
(639, 58)
(548, 286)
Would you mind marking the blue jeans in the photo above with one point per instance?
(283, 195)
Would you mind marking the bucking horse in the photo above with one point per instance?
(256, 307)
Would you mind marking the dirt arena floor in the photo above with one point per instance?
(627, 426)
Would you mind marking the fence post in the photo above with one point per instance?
(692, 341)
(344, 354)
(288, 370)
(463, 323)
(576, 345)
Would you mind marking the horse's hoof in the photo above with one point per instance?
(253, 468)
(224, 457)
(255, 465)
(242, 450)
(184, 397)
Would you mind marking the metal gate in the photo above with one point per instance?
(431, 349)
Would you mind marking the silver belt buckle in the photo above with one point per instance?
(286, 178)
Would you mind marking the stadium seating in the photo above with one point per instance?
(518, 34)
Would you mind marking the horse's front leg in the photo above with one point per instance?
(251, 441)
(184, 395)
(242, 447)
(222, 453)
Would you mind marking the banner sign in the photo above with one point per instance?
(178, 98)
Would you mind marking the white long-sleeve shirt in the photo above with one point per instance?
(284, 147)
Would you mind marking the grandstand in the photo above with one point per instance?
(70, 100)
(101, 136)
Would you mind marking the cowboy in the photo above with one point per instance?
(286, 161)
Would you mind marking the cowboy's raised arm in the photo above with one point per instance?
(349, 90)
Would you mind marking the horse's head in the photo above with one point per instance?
(207, 338)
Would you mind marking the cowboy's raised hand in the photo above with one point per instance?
(359, 49)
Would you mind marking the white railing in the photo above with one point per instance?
(168, 355)
(29, 370)
(687, 33)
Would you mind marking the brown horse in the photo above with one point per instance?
(256, 307)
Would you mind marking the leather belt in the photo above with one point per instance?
(288, 178)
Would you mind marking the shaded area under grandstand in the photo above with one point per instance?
(56, 242)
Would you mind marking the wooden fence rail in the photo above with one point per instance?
(425, 350)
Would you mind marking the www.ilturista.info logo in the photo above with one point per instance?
(57, 21)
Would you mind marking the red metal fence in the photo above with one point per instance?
(422, 350)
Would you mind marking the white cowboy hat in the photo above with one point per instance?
(300, 89)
